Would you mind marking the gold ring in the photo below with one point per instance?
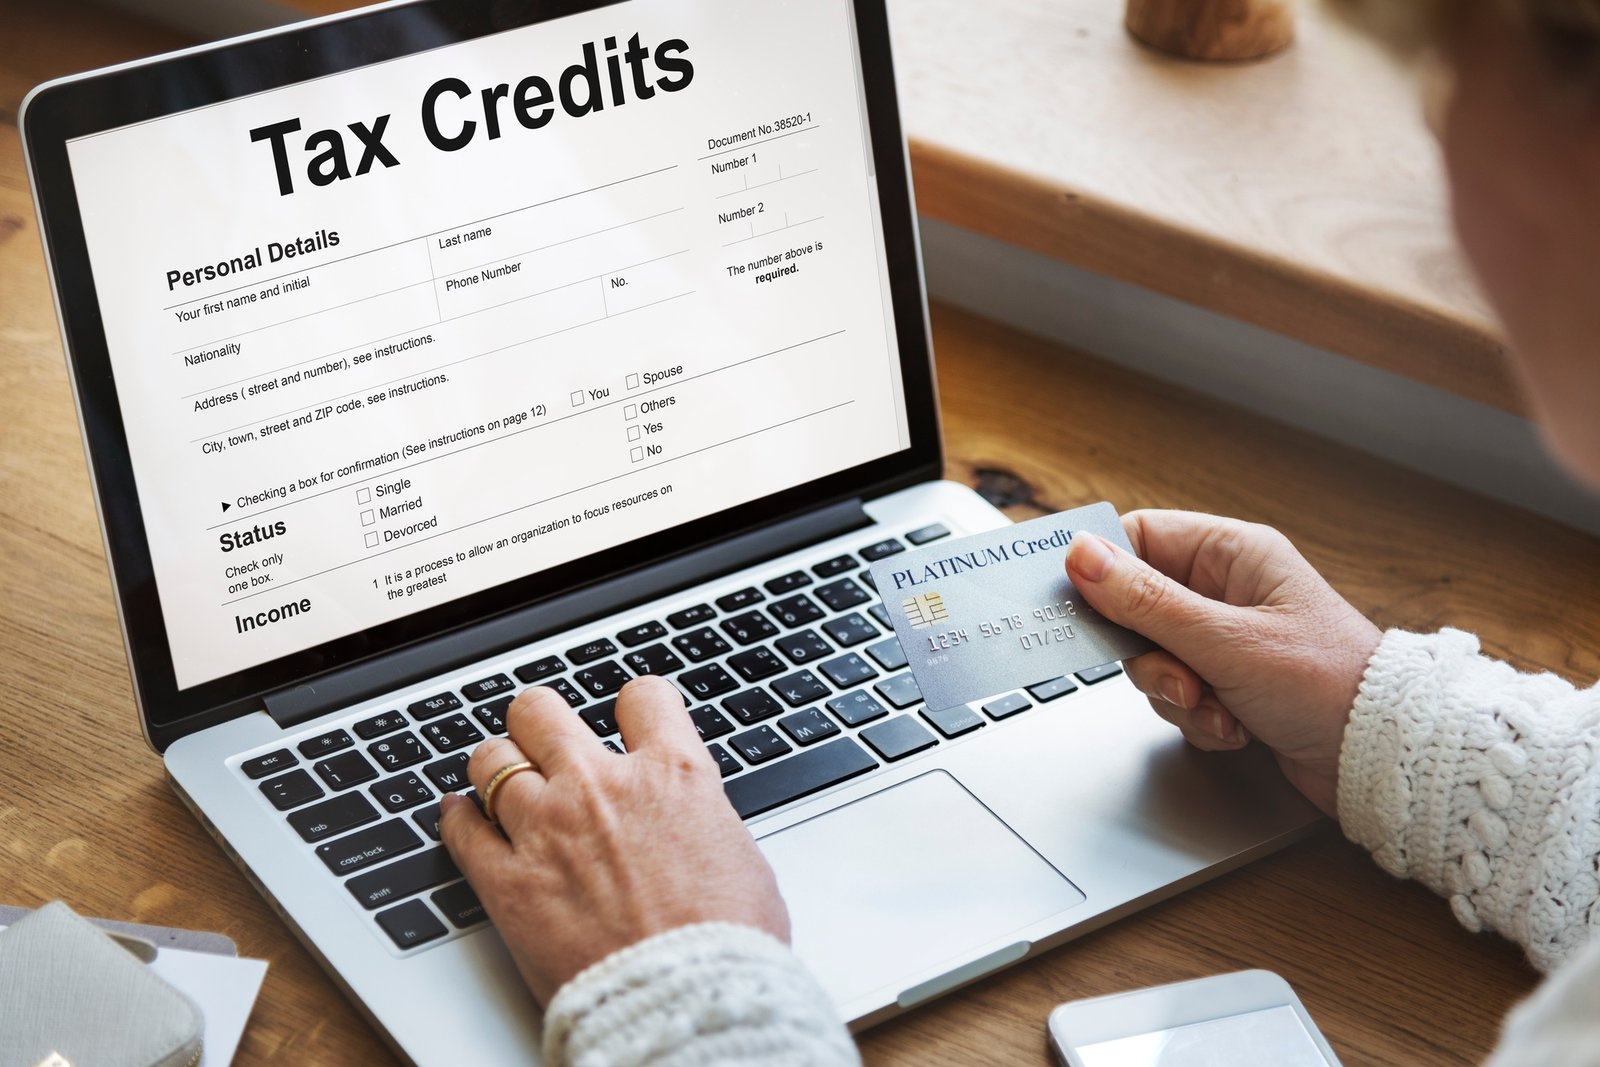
(494, 783)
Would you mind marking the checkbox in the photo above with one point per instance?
(363, 496)
(577, 399)
(372, 540)
(633, 381)
(368, 518)
(637, 455)
(633, 433)
(630, 411)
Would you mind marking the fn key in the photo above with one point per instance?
(410, 924)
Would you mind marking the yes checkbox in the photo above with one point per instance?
(372, 540)
(633, 433)
(363, 496)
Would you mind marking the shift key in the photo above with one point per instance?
(404, 878)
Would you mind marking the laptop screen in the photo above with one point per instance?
(393, 336)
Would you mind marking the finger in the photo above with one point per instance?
(1171, 541)
(542, 724)
(1160, 675)
(1132, 593)
(1208, 726)
(474, 843)
(652, 716)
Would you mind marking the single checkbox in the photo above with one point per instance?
(630, 411)
(577, 399)
(633, 381)
(633, 433)
(368, 518)
(372, 540)
(363, 496)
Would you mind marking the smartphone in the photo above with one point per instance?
(1251, 1017)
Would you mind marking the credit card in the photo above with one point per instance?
(995, 612)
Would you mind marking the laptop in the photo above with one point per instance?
(443, 349)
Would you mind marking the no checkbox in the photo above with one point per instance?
(638, 454)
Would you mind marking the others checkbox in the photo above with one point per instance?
(638, 454)
(368, 518)
(633, 381)
(372, 540)
(630, 411)
(577, 399)
(363, 496)
(633, 433)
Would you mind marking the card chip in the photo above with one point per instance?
(925, 609)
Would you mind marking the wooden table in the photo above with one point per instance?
(86, 816)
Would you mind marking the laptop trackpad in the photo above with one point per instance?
(905, 879)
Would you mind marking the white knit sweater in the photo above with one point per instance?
(1482, 783)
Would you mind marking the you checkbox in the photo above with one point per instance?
(577, 399)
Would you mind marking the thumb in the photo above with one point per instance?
(1131, 593)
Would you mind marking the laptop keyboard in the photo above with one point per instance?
(795, 685)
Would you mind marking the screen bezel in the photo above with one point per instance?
(59, 112)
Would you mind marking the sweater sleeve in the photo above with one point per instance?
(698, 996)
(1481, 783)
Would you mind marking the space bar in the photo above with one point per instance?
(799, 776)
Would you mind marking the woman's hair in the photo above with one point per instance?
(1567, 31)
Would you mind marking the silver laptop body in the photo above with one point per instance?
(601, 350)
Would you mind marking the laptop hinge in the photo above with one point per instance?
(307, 700)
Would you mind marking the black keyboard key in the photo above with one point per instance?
(898, 738)
(452, 734)
(803, 647)
(901, 691)
(1091, 675)
(757, 663)
(787, 583)
(602, 679)
(706, 682)
(797, 610)
(460, 905)
(830, 568)
(1045, 692)
(849, 669)
(427, 819)
(403, 878)
(700, 644)
(345, 770)
(953, 722)
(856, 708)
(261, 766)
(450, 773)
(427, 709)
(1006, 706)
(882, 550)
(811, 771)
(539, 670)
(411, 924)
(326, 744)
(290, 790)
(396, 753)
(725, 761)
(384, 841)
(849, 630)
(612, 745)
(841, 595)
(638, 635)
(401, 792)
(334, 816)
(809, 726)
(928, 533)
(493, 714)
(760, 745)
(378, 725)
(601, 717)
(657, 659)
(881, 613)
(868, 580)
(752, 705)
(568, 692)
(596, 649)
(710, 723)
(700, 613)
(748, 628)
(487, 687)
(800, 688)
(888, 653)
(740, 600)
